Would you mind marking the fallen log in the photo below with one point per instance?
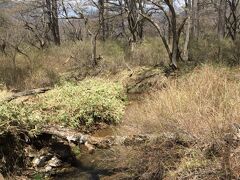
(73, 136)
(91, 142)
(26, 93)
(68, 134)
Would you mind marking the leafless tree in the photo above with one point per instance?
(135, 23)
(52, 15)
(233, 18)
(195, 19)
(188, 7)
(172, 47)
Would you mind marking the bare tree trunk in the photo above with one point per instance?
(135, 25)
(173, 52)
(55, 25)
(141, 22)
(170, 35)
(122, 17)
(195, 19)
(106, 16)
(14, 66)
(132, 18)
(52, 15)
(94, 46)
(102, 18)
(232, 21)
(3, 46)
(175, 35)
(221, 25)
(221, 19)
(49, 14)
(187, 37)
(94, 49)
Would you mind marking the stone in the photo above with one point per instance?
(54, 162)
(40, 161)
(30, 152)
(48, 168)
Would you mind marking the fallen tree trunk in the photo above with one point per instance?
(73, 136)
(91, 142)
(26, 93)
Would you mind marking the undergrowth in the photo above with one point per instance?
(203, 103)
(88, 102)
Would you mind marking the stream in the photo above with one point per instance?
(103, 163)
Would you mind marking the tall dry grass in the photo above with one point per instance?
(4, 94)
(44, 66)
(202, 103)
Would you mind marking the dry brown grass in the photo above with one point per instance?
(202, 103)
(4, 94)
(150, 52)
(75, 58)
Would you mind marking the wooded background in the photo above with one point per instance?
(190, 30)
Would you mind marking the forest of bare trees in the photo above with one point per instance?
(39, 24)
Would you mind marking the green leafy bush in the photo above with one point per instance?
(20, 115)
(88, 102)
(85, 103)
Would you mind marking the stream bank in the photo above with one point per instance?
(49, 155)
(149, 156)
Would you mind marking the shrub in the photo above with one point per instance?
(86, 103)
(11, 112)
(90, 101)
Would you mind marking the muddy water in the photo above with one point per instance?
(109, 131)
(103, 163)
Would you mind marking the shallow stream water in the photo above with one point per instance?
(103, 163)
